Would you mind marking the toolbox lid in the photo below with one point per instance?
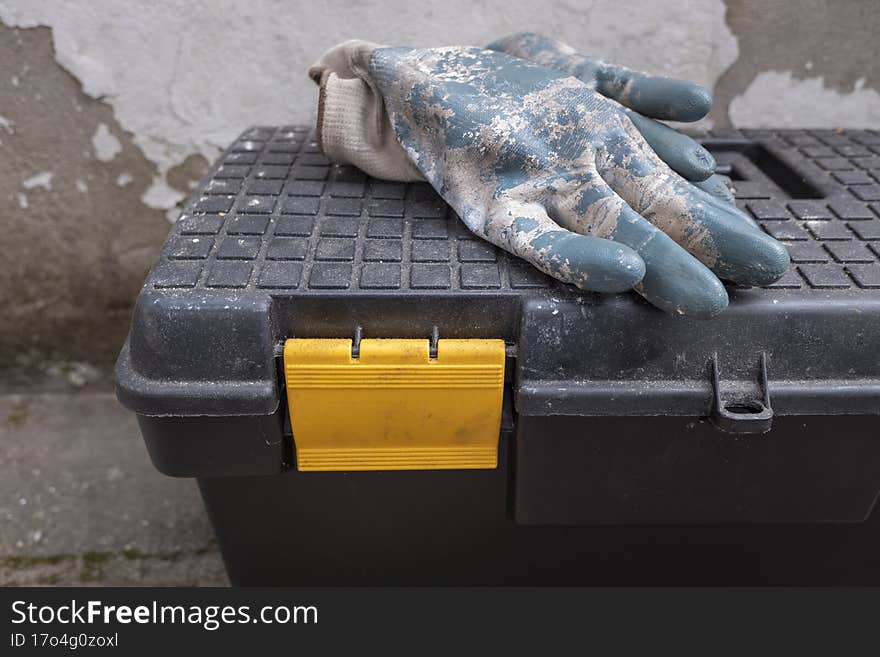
(277, 243)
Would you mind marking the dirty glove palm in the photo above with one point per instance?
(536, 162)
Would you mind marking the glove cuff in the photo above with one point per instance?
(353, 126)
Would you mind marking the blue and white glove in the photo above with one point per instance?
(542, 165)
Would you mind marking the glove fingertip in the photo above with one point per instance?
(668, 99)
(696, 103)
(701, 164)
(624, 270)
(770, 260)
(711, 301)
(716, 186)
(595, 264)
(703, 297)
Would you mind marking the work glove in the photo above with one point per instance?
(538, 163)
(643, 97)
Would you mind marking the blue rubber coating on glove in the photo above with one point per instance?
(610, 267)
(537, 162)
(674, 281)
(713, 230)
(718, 186)
(679, 151)
(654, 96)
(658, 97)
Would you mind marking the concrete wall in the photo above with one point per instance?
(110, 111)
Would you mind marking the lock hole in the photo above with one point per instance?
(744, 408)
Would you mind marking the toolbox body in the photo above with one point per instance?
(633, 446)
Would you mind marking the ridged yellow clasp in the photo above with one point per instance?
(394, 407)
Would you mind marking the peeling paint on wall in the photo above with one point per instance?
(776, 98)
(76, 245)
(185, 76)
(43, 179)
(173, 81)
(105, 144)
(832, 40)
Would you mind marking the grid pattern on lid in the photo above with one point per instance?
(276, 215)
(834, 242)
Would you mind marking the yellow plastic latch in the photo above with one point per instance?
(394, 407)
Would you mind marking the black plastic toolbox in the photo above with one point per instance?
(635, 447)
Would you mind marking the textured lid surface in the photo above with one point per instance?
(279, 243)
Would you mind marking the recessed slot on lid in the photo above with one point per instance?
(754, 162)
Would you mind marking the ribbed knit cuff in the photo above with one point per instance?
(353, 126)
